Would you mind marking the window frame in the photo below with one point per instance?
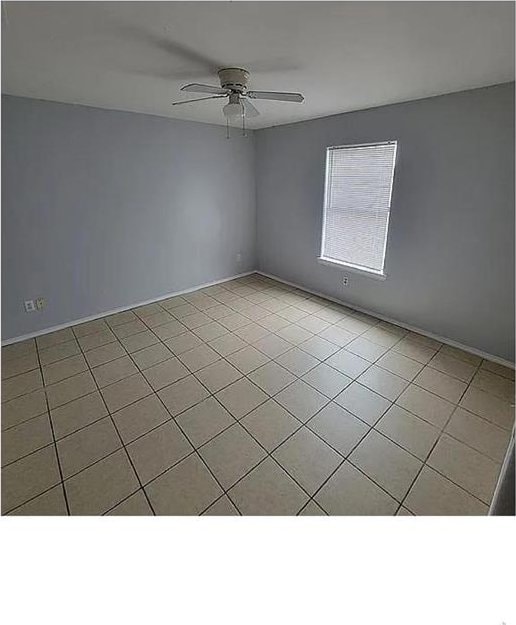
(359, 269)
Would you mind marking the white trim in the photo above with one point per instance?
(367, 273)
(361, 145)
(367, 311)
(378, 274)
(325, 201)
(503, 475)
(441, 339)
(68, 324)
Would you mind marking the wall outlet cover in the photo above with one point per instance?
(29, 305)
(345, 281)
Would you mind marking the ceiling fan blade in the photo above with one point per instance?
(249, 109)
(198, 88)
(210, 97)
(165, 42)
(275, 95)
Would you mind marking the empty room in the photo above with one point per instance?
(258, 259)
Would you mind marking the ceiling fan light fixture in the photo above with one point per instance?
(233, 111)
(233, 85)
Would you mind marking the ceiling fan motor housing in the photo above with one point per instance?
(234, 78)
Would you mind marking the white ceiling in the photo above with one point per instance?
(343, 56)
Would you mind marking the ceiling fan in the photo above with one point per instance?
(233, 85)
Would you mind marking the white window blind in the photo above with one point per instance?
(357, 205)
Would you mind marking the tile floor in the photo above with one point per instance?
(249, 397)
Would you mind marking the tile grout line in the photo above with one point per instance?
(330, 445)
(58, 460)
(373, 427)
(442, 431)
(102, 316)
(305, 424)
(252, 344)
(269, 454)
(246, 375)
(116, 430)
(238, 420)
(173, 418)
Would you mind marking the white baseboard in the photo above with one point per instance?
(24, 337)
(367, 311)
(441, 339)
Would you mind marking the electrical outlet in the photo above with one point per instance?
(345, 281)
(40, 303)
(29, 305)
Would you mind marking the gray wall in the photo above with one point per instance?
(450, 250)
(104, 209)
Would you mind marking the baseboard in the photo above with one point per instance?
(62, 326)
(441, 339)
(367, 311)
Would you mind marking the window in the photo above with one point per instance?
(357, 203)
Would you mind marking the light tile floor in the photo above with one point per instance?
(249, 397)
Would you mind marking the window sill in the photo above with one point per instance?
(352, 269)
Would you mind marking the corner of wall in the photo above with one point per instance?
(256, 163)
